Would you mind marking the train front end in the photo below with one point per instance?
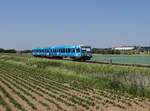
(86, 52)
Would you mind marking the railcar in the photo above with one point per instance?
(75, 52)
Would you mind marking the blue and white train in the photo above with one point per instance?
(76, 52)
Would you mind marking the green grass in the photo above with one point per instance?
(125, 79)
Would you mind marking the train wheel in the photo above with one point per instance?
(83, 60)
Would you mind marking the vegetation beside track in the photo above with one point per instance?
(78, 85)
(133, 80)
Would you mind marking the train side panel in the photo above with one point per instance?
(75, 52)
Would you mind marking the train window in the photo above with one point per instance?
(63, 50)
(69, 50)
(77, 50)
(73, 50)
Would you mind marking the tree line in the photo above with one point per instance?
(14, 51)
(7, 50)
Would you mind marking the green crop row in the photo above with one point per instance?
(133, 80)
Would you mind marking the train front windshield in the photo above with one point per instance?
(86, 49)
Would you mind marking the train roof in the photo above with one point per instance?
(62, 46)
(65, 46)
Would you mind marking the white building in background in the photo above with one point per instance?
(124, 48)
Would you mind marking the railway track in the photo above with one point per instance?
(121, 64)
(110, 63)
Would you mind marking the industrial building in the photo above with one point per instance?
(124, 48)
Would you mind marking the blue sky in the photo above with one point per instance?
(25, 24)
